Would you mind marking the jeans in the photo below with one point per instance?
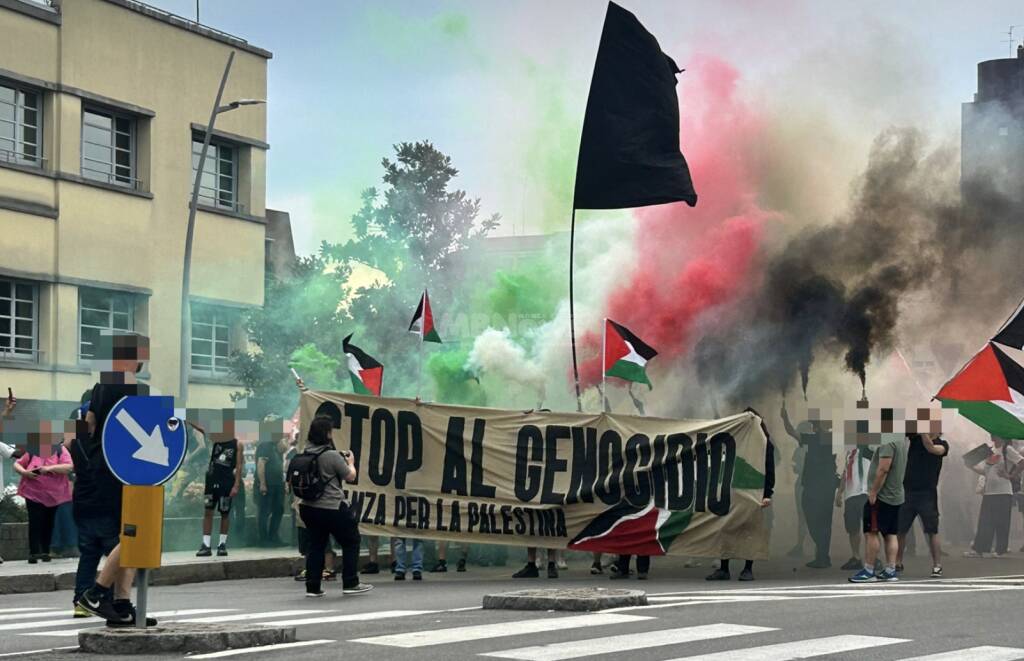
(339, 524)
(269, 510)
(994, 522)
(97, 537)
(400, 555)
(40, 527)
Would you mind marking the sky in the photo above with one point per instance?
(501, 86)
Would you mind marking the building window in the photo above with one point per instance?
(21, 133)
(108, 148)
(100, 311)
(18, 309)
(211, 332)
(218, 187)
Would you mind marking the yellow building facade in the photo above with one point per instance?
(103, 107)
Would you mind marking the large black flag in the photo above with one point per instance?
(629, 154)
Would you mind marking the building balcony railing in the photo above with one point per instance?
(20, 158)
(103, 176)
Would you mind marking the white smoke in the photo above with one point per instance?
(495, 352)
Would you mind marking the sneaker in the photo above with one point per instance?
(222, 550)
(888, 575)
(33, 559)
(690, 563)
(899, 568)
(45, 557)
(973, 554)
(552, 570)
(80, 612)
(641, 576)
(301, 576)
(864, 576)
(718, 575)
(747, 575)
(358, 589)
(824, 563)
(370, 568)
(596, 568)
(417, 576)
(315, 595)
(562, 564)
(936, 572)
(995, 555)
(329, 575)
(100, 605)
(440, 568)
(528, 571)
(399, 575)
(852, 563)
(204, 552)
(127, 611)
(613, 568)
(461, 567)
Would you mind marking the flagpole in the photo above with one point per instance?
(604, 366)
(572, 306)
(419, 373)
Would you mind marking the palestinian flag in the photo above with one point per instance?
(989, 389)
(629, 530)
(423, 321)
(625, 354)
(367, 374)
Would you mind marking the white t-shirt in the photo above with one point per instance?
(855, 474)
(6, 452)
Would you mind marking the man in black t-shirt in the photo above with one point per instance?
(223, 477)
(819, 481)
(921, 482)
(97, 496)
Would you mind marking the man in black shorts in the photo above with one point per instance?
(924, 463)
(882, 511)
(223, 477)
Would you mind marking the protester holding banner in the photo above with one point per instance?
(316, 476)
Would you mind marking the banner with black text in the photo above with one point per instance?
(589, 482)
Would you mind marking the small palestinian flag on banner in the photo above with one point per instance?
(423, 321)
(629, 530)
(989, 389)
(367, 374)
(625, 354)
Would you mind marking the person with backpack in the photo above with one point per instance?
(315, 476)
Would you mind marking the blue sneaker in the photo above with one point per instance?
(864, 576)
(888, 575)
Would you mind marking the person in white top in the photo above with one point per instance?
(996, 501)
(852, 498)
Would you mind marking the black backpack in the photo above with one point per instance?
(304, 475)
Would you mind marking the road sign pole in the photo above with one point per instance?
(142, 590)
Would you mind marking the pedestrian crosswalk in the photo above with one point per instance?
(647, 632)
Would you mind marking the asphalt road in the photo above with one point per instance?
(785, 614)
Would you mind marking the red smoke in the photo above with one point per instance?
(689, 261)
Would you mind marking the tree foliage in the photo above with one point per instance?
(414, 231)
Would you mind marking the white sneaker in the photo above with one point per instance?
(973, 554)
(315, 595)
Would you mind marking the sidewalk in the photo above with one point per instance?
(17, 576)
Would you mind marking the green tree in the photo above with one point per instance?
(417, 233)
(299, 325)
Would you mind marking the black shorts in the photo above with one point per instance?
(853, 513)
(217, 499)
(881, 517)
(924, 504)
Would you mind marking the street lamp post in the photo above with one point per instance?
(186, 308)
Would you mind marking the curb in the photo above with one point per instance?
(565, 599)
(180, 637)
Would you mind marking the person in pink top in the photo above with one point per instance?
(44, 486)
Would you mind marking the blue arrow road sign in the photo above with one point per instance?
(143, 443)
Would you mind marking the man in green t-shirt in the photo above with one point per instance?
(882, 511)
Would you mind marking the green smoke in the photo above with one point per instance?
(317, 369)
(453, 383)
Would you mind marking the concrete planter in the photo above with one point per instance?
(14, 541)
